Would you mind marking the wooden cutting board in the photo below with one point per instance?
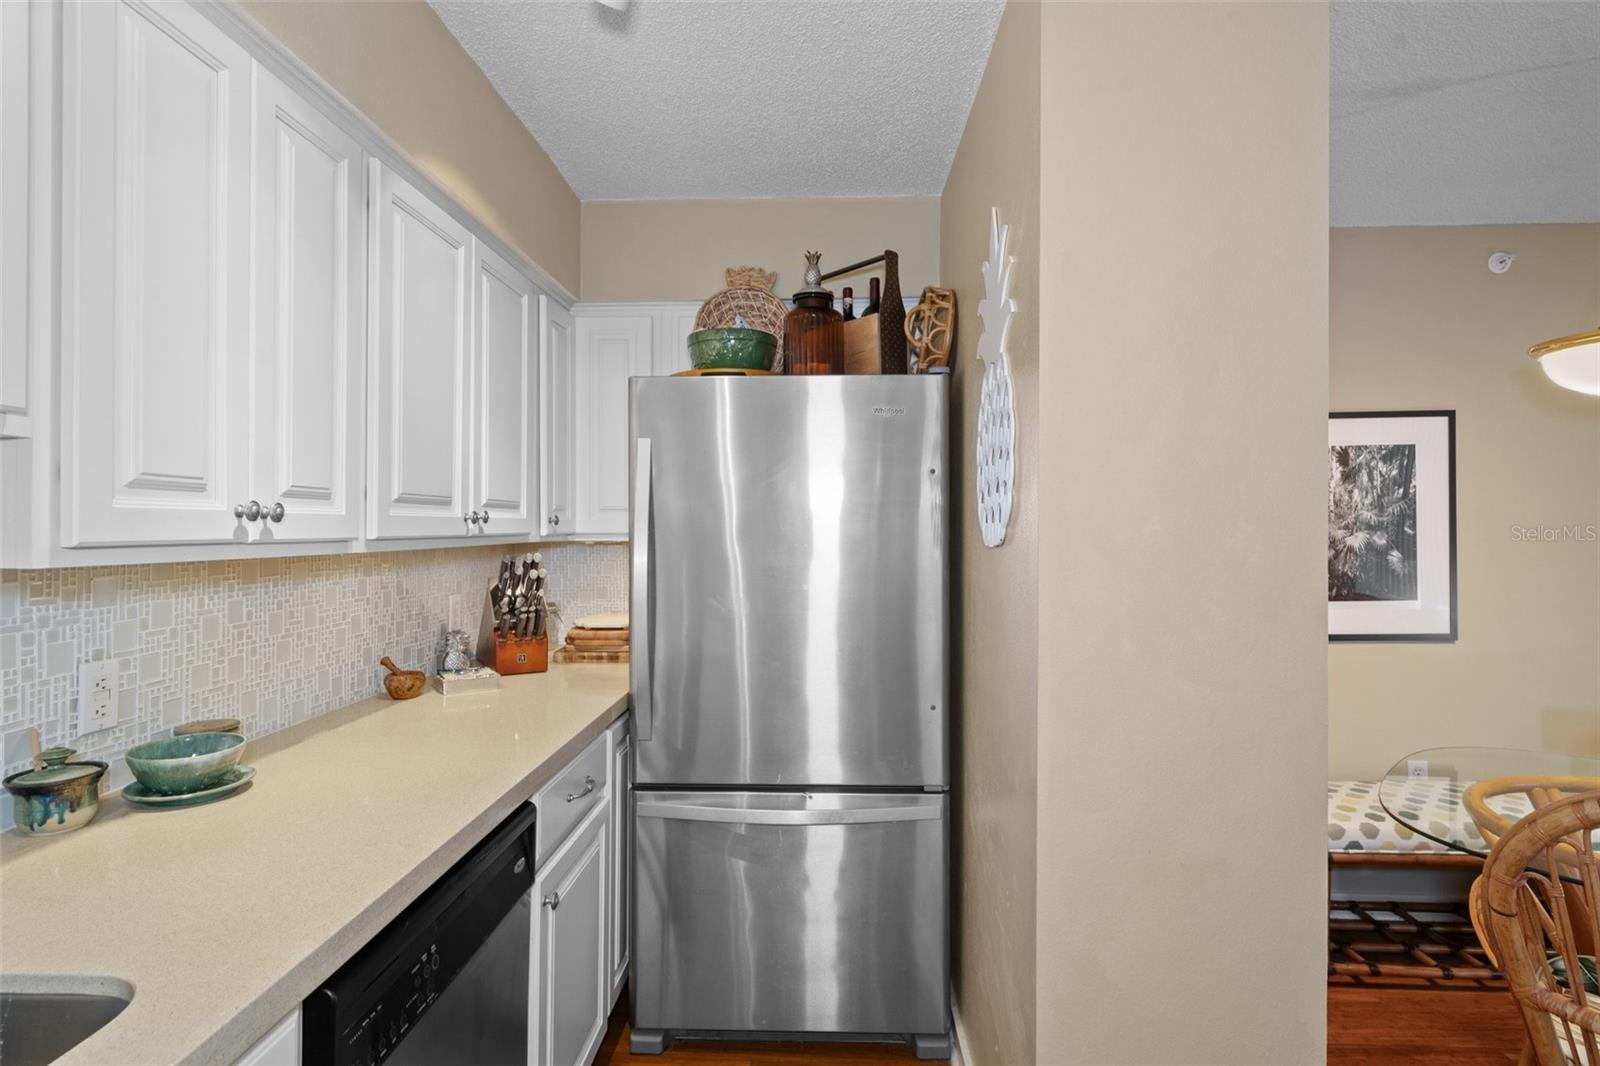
(579, 635)
(569, 654)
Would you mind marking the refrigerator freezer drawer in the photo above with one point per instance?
(791, 912)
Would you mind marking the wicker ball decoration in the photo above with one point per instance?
(930, 327)
(747, 300)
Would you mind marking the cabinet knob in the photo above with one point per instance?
(470, 518)
(555, 520)
(483, 519)
(553, 900)
(250, 512)
(277, 512)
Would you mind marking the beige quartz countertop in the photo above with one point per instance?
(224, 917)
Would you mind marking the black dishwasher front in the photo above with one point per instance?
(447, 981)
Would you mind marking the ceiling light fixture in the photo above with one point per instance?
(1573, 362)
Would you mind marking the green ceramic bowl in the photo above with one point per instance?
(732, 349)
(176, 765)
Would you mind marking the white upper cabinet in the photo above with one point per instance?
(611, 349)
(421, 257)
(310, 345)
(14, 100)
(505, 453)
(155, 276)
(673, 326)
(557, 399)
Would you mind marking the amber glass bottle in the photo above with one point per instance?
(813, 335)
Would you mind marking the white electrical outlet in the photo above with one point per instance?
(97, 696)
(1416, 769)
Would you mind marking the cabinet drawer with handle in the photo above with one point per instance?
(573, 793)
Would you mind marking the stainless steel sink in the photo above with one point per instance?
(39, 1027)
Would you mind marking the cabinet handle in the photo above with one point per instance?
(553, 900)
(588, 787)
(277, 512)
(250, 512)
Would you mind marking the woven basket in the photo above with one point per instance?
(759, 310)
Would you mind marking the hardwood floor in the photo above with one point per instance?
(1366, 1027)
(1421, 1027)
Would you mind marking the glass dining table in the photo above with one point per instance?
(1465, 798)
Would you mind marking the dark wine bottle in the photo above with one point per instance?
(872, 298)
(849, 303)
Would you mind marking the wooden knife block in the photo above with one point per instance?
(530, 655)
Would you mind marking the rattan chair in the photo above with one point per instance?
(1541, 791)
(1531, 928)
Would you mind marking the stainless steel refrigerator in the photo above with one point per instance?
(790, 626)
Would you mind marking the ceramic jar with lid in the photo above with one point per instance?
(58, 797)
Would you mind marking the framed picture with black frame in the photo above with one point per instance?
(1392, 526)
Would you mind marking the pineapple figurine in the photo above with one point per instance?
(813, 282)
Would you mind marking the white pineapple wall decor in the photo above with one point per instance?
(997, 422)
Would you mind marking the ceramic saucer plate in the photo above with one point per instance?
(140, 796)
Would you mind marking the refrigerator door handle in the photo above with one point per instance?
(692, 812)
(644, 713)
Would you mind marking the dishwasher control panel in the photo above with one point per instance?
(370, 1040)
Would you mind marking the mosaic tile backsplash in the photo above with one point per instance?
(271, 642)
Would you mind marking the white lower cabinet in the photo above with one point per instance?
(569, 988)
(280, 1047)
(577, 891)
(621, 825)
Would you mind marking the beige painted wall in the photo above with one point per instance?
(678, 249)
(997, 599)
(1182, 690)
(396, 62)
(1418, 321)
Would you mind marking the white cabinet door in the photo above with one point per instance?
(419, 384)
(310, 320)
(611, 349)
(558, 399)
(505, 452)
(14, 156)
(155, 275)
(280, 1047)
(621, 822)
(569, 987)
(673, 326)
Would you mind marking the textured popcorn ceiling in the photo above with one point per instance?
(677, 99)
(1450, 112)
